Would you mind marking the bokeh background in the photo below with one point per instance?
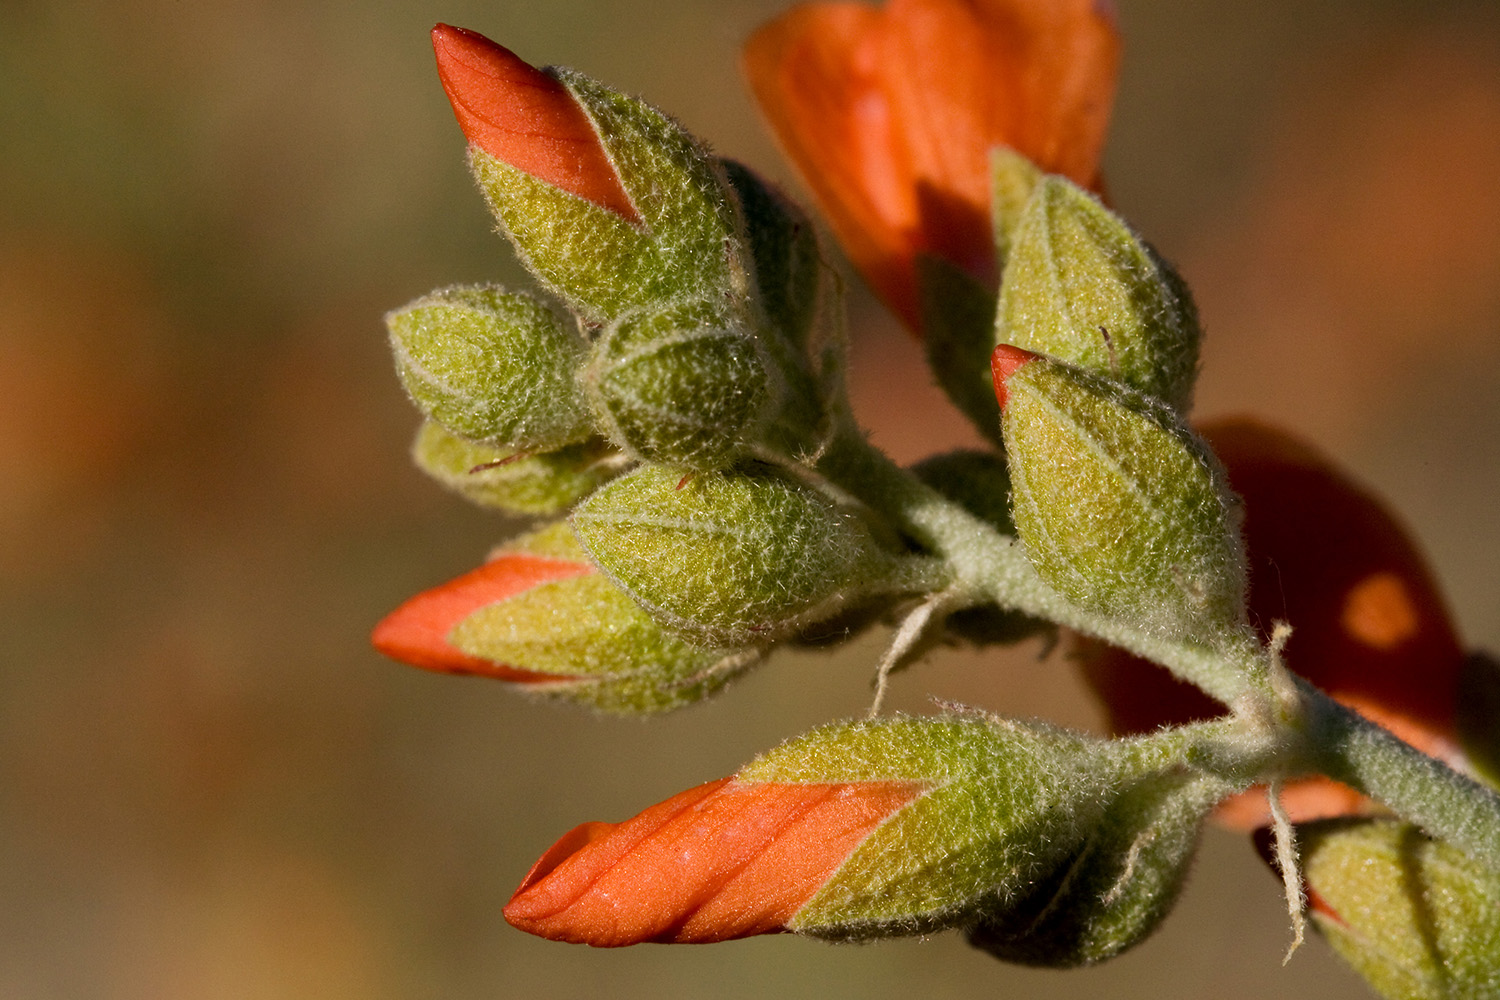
(211, 787)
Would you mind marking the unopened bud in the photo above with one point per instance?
(541, 617)
(669, 234)
(1418, 918)
(492, 366)
(1121, 509)
(1123, 880)
(735, 556)
(788, 266)
(1081, 287)
(684, 385)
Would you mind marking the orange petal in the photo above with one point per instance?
(417, 631)
(727, 859)
(890, 115)
(1005, 362)
(526, 118)
(1369, 623)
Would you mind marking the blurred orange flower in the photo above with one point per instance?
(724, 860)
(890, 115)
(526, 118)
(1369, 623)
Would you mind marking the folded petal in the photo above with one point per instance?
(418, 631)
(727, 859)
(522, 116)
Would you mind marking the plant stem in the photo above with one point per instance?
(1349, 748)
(994, 568)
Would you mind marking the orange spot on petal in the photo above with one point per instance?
(1379, 612)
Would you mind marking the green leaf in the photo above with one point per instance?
(492, 366)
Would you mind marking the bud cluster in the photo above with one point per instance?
(659, 390)
(669, 402)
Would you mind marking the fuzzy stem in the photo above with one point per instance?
(994, 567)
(1349, 748)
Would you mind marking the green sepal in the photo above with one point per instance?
(958, 334)
(685, 246)
(1013, 178)
(492, 366)
(546, 483)
(683, 385)
(1004, 803)
(793, 285)
(1119, 884)
(734, 556)
(1417, 918)
(1080, 286)
(602, 650)
(784, 246)
(1120, 507)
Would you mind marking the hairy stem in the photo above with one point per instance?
(994, 568)
(1349, 748)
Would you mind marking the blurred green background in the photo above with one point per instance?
(211, 787)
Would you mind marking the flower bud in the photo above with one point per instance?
(1120, 508)
(1081, 287)
(492, 366)
(1119, 885)
(958, 334)
(731, 557)
(525, 117)
(540, 616)
(418, 631)
(547, 483)
(683, 385)
(1417, 918)
(1013, 179)
(606, 199)
(1369, 625)
(851, 831)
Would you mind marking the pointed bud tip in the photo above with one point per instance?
(525, 118)
(416, 633)
(1004, 363)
